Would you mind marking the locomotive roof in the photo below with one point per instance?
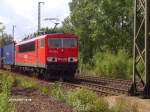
(43, 36)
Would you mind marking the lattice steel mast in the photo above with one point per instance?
(141, 50)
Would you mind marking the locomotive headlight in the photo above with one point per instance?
(72, 59)
(52, 59)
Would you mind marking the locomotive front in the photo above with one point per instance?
(62, 53)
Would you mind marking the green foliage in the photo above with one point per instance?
(86, 69)
(6, 82)
(57, 91)
(45, 90)
(23, 82)
(4, 103)
(4, 37)
(1, 28)
(102, 25)
(117, 66)
(111, 65)
(67, 26)
(83, 100)
(54, 90)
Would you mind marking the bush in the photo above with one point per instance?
(83, 100)
(110, 65)
(23, 82)
(4, 103)
(6, 84)
(86, 68)
(56, 91)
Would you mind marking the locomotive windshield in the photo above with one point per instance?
(69, 42)
(55, 42)
(62, 42)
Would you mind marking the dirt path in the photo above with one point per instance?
(30, 100)
(135, 103)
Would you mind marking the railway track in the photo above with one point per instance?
(102, 86)
(102, 80)
(97, 90)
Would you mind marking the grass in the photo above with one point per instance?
(109, 65)
(81, 100)
(6, 83)
(25, 83)
(54, 90)
(7, 80)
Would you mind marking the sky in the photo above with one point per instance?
(23, 14)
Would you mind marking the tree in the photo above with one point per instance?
(4, 37)
(1, 28)
(67, 26)
(102, 25)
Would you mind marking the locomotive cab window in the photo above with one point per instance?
(28, 47)
(54, 42)
(69, 42)
(42, 43)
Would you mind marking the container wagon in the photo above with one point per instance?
(8, 52)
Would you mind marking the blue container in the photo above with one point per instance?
(0, 57)
(8, 54)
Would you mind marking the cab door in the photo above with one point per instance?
(41, 53)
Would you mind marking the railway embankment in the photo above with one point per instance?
(25, 94)
(28, 93)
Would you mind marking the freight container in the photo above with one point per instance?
(8, 54)
(0, 57)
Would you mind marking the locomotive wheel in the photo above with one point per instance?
(68, 75)
(46, 75)
(54, 75)
(40, 74)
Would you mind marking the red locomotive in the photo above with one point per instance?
(50, 55)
